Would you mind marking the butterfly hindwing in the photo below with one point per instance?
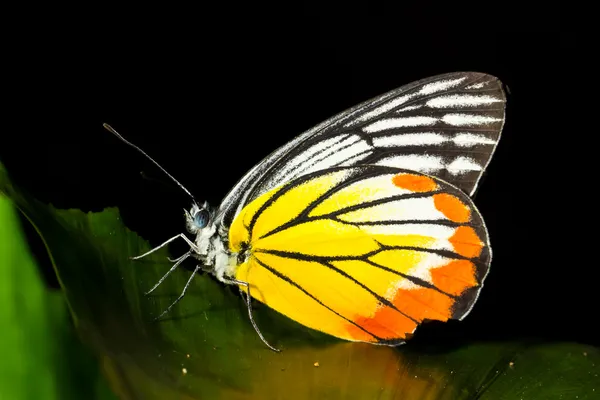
(446, 126)
(363, 253)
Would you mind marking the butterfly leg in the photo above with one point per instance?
(247, 297)
(173, 268)
(181, 235)
(186, 255)
(182, 293)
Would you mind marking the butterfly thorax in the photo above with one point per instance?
(210, 244)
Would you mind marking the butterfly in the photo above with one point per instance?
(363, 227)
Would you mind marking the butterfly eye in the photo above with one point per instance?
(201, 218)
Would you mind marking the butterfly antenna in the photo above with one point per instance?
(111, 130)
(165, 184)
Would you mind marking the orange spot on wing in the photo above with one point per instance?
(387, 323)
(454, 277)
(424, 303)
(451, 206)
(418, 304)
(466, 242)
(415, 183)
(358, 334)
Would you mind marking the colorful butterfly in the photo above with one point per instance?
(363, 227)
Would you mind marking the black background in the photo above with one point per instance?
(209, 93)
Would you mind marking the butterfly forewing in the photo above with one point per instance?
(363, 253)
(446, 126)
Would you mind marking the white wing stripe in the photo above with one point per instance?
(462, 139)
(440, 232)
(468, 119)
(409, 108)
(440, 85)
(461, 100)
(410, 139)
(422, 209)
(465, 139)
(450, 119)
(479, 85)
(392, 123)
(430, 164)
(426, 163)
(461, 165)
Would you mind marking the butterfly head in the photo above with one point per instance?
(198, 218)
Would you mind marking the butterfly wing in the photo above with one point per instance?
(446, 126)
(363, 253)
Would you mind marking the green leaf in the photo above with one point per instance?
(41, 358)
(207, 348)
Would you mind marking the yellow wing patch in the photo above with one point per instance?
(363, 253)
